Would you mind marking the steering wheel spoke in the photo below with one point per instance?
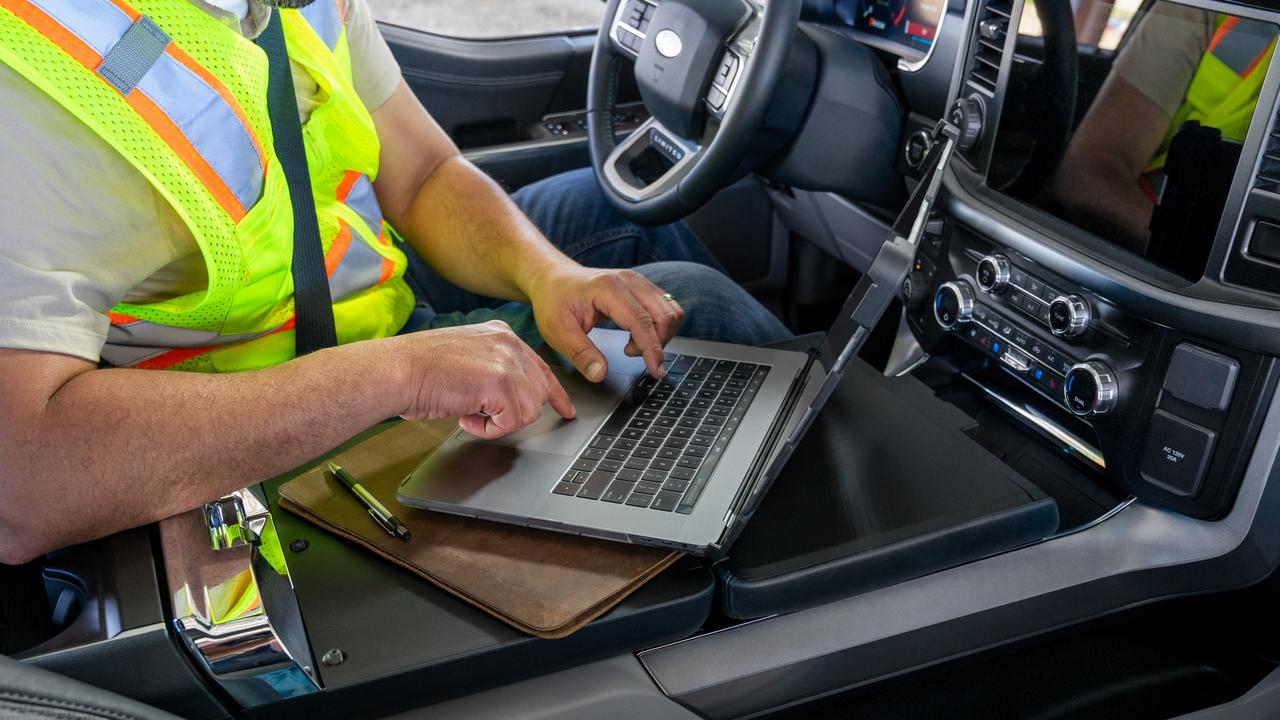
(630, 26)
(650, 161)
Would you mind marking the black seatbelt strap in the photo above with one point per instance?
(312, 303)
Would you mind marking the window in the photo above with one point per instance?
(490, 18)
(1100, 23)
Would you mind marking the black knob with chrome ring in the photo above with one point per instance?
(915, 289)
(1069, 315)
(993, 273)
(1091, 389)
(969, 115)
(953, 304)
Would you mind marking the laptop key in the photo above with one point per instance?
(612, 466)
(658, 432)
(578, 477)
(628, 474)
(638, 424)
(602, 442)
(651, 441)
(617, 492)
(657, 476)
(689, 422)
(595, 485)
(665, 501)
(592, 454)
(672, 412)
(643, 414)
(689, 461)
(637, 463)
(675, 442)
(664, 422)
(710, 430)
(646, 487)
(719, 411)
(668, 453)
(682, 473)
(644, 452)
(682, 365)
(584, 465)
(619, 454)
(676, 485)
(681, 432)
(564, 488)
(661, 464)
(713, 420)
(639, 499)
(696, 451)
(624, 444)
(700, 440)
(632, 434)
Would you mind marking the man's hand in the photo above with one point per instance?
(568, 303)
(483, 374)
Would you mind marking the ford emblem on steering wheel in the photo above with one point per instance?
(668, 43)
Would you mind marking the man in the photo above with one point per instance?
(1181, 64)
(159, 240)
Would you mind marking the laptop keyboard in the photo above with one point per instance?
(658, 449)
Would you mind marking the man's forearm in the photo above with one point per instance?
(113, 449)
(468, 229)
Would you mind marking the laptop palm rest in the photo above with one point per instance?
(514, 474)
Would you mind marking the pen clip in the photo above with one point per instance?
(381, 522)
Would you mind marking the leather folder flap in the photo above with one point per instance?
(543, 583)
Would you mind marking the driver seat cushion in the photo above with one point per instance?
(29, 693)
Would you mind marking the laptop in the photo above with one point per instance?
(681, 462)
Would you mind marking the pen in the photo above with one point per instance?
(380, 513)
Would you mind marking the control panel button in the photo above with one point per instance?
(1201, 377)
(993, 273)
(1069, 315)
(1177, 454)
(953, 304)
(1090, 389)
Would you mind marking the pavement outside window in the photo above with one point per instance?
(489, 18)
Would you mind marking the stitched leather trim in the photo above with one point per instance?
(51, 702)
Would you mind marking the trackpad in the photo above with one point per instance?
(553, 434)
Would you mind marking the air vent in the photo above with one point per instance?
(1269, 169)
(992, 30)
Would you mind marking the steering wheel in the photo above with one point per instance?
(1058, 82)
(706, 70)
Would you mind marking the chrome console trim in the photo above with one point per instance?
(234, 608)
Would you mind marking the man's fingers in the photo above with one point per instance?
(667, 314)
(568, 338)
(625, 311)
(556, 394)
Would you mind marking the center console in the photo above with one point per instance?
(1010, 289)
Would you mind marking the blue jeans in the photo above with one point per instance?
(573, 213)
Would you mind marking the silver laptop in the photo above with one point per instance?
(680, 462)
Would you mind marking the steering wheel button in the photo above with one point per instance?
(716, 97)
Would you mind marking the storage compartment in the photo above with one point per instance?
(887, 486)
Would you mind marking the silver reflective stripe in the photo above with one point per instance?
(133, 55)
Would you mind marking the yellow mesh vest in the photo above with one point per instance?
(243, 319)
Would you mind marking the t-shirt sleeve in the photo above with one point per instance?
(81, 230)
(1163, 53)
(375, 70)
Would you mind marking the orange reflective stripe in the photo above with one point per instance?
(172, 135)
(1223, 31)
(130, 12)
(189, 62)
(388, 269)
(338, 249)
(1257, 61)
(120, 318)
(150, 112)
(348, 181)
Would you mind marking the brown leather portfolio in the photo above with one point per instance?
(543, 583)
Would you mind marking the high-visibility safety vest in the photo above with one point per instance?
(1225, 88)
(184, 99)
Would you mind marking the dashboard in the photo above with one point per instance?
(906, 28)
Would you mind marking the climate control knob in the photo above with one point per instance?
(1069, 315)
(993, 273)
(953, 304)
(915, 289)
(1091, 389)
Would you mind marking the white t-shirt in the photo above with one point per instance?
(85, 230)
